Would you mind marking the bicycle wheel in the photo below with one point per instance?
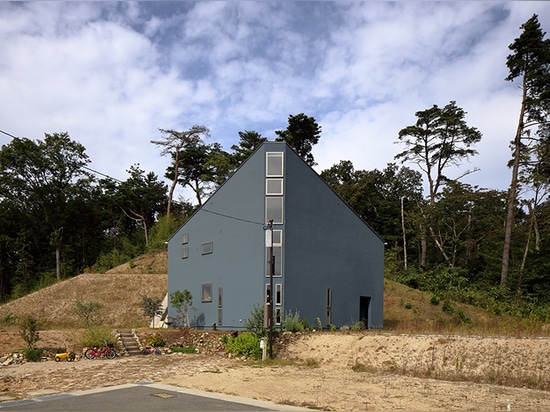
(71, 357)
(110, 354)
(90, 354)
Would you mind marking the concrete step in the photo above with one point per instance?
(129, 342)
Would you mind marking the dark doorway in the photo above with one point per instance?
(364, 305)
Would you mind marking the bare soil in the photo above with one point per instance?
(328, 371)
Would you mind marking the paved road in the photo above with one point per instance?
(145, 396)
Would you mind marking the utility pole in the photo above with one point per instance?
(271, 273)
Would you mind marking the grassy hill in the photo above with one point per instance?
(120, 290)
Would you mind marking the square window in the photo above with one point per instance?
(207, 248)
(206, 295)
(185, 238)
(274, 164)
(274, 209)
(185, 253)
(274, 187)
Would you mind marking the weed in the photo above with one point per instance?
(359, 367)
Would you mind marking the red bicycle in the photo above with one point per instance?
(107, 351)
(148, 350)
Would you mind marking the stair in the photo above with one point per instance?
(129, 342)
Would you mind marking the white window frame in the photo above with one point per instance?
(274, 193)
(207, 248)
(273, 155)
(185, 253)
(272, 199)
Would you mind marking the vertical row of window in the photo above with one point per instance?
(274, 192)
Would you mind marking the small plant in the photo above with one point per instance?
(87, 310)
(151, 307)
(434, 300)
(9, 319)
(408, 305)
(356, 326)
(359, 367)
(29, 331)
(447, 307)
(96, 336)
(293, 322)
(182, 302)
(319, 323)
(332, 327)
(33, 355)
(244, 344)
(156, 340)
(255, 323)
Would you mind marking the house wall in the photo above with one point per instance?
(325, 245)
(328, 246)
(233, 220)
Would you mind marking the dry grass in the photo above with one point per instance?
(119, 291)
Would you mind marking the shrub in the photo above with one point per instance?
(33, 355)
(29, 331)
(96, 336)
(87, 310)
(156, 340)
(434, 300)
(244, 344)
(255, 323)
(293, 322)
(179, 349)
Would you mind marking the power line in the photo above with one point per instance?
(231, 217)
(84, 167)
(7, 134)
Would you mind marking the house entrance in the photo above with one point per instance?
(364, 306)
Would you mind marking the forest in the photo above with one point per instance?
(479, 246)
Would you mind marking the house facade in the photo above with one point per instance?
(328, 265)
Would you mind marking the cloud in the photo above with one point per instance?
(111, 74)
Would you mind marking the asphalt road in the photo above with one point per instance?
(144, 396)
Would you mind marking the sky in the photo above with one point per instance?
(112, 73)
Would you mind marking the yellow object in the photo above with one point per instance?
(70, 356)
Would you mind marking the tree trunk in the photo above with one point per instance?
(512, 192)
(174, 183)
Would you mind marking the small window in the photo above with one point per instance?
(220, 297)
(274, 209)
(274, 164)
(185, 238)
(267, 293)
(185, 253)
(329, 297)
(278, 313)
(278, 254)
(206, 293)
(207, 248)
(278, 294)
(274, 187)
(220, 316)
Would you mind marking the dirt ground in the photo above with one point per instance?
(328, 371)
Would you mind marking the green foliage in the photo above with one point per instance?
(29, 330)
(293, 323)
(9, 319)
(88, 311)
(357, 326)
(165, 227)
(156, 340)
(179, 349)
(302, 133)
(151, 307)
(96, 336)
(255, 323)
(434, 300)
(245, 344)
(182, 302)
(33, 354)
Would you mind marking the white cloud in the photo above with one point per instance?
(111, 74)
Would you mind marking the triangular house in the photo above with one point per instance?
(329, 264)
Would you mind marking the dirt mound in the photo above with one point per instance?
(120, 295)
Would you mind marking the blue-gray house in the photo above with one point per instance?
(329, 264)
